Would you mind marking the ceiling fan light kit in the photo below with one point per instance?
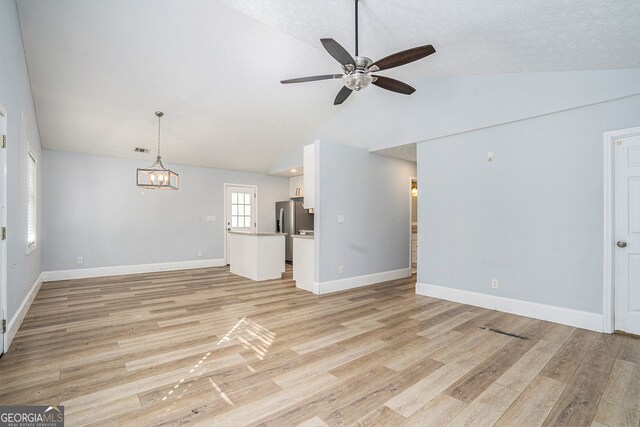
(157, 177)
(356, 71)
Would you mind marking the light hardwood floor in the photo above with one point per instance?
(210, 348)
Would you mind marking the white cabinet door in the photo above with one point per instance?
(296, 187)
(300, 185)
(627, 235)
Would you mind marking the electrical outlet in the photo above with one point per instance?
(340, 219)
(199, 253)
(80, 260)
(24, 287)
(341, 269)
(211, 217)
(494, 284)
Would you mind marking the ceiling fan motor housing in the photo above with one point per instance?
(360, 77)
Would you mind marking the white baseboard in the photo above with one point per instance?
(16, 321)
(85, 273)
(358, 281)
(565, 316)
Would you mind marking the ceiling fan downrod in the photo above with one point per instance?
(356, 1)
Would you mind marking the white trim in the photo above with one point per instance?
(85, 273)
(317, 200)
(608, 266)
(359, 281)
(224, 214)
(565, 316)
(32, 246)
(411, 180)
(16, 321)
(3, 223)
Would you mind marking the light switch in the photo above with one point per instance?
(340, 219)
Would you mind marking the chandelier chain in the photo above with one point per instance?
(159, 118)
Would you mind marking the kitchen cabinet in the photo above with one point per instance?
(296, 186)
(309, 153)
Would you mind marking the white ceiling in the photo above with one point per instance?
(404, 152)
(99, 69)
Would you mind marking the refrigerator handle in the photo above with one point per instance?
(280, 225)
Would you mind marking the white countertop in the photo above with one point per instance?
(303, 236)
(257, 233)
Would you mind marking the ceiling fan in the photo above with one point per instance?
(356, 71)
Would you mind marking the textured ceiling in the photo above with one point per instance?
(470, 36)
(404, 152)
(99, 69)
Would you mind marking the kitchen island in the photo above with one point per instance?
(303, 262)
(256, 255)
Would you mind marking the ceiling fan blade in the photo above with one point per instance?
(342, 95)
(404, 57)
(393, 85)
(339, 53)
(312, 78)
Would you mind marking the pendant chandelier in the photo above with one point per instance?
(157, 177)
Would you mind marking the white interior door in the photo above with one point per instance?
(627, 234)
(3, 223)
(240, 211)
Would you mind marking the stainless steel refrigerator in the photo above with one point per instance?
(291, 217)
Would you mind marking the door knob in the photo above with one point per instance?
(622, 244)
(228, 229)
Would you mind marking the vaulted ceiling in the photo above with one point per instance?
(99, 69)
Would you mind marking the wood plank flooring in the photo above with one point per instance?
(205, 347)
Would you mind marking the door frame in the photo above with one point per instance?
(3, 250)
(224, 214)
(411, 180)
(608, 295)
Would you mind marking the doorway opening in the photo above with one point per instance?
(621, 295)
(240, 211)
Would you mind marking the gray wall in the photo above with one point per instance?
(95, 210)
(532, 218)
(373, 194)
(22, 131)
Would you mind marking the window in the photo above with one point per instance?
(240, 210)
(32, 198)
